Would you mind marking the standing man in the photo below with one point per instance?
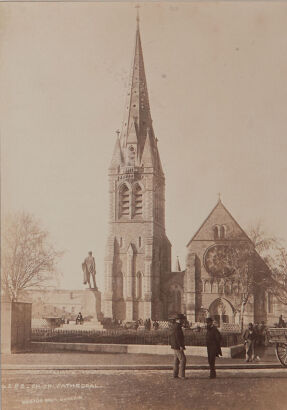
(178, 346)
(213, 343)
(249, 337)
(89, 269)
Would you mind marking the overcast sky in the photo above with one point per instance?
(216, 75)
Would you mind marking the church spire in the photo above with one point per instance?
(117, 155)
(137, 117)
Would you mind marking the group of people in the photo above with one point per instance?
(213, 343)
(148, 324)
(254, 336)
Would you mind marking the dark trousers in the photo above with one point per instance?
(211, 352)
(179, 363)
(250, 350)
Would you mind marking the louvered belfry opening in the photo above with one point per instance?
(124, 201)
(138, 201)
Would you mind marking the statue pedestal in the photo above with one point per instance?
(91, 307)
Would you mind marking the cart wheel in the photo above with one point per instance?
(281, 353)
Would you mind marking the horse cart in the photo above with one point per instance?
(278, 336)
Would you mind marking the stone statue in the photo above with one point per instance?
(89, 269)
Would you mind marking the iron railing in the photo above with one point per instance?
(124, 336)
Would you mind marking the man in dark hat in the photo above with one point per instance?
(213, 341)
(178, 346)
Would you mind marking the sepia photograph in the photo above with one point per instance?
(143, 205)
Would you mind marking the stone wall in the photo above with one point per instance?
(15, 326)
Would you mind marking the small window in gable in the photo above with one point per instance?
(216, 232)
(222, 232)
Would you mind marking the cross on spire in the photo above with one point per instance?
(138, 15)
(219, 197)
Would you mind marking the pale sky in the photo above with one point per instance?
(216, 75)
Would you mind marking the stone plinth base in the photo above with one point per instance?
(86, 326)
(91, 311)
(91, 304)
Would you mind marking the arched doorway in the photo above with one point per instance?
(222, 311)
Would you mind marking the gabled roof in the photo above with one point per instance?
(222, 217)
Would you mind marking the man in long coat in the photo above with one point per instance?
(178, 346)
(213, 343)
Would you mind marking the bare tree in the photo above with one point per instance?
(263, 242)
(278, 282)
(238, 260)
(249, 261)
(274, 254)
(260, 263)
(28, 258)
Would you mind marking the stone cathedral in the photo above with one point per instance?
(138, 252)
(139, 282)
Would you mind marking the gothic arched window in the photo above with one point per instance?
(207, 287)
(138, 200)
(157, 204)
(139, 285)
(222, 232)
(216, 232)
(124, 201)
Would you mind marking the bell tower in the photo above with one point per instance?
(138, 252)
